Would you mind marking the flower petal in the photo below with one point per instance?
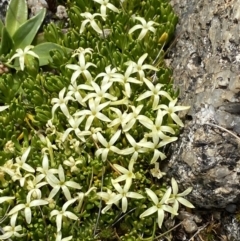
(174, 186)
(185, 202)
(152, 195)
(28, 215)
(124, 204)
(160, 217)
(149, 211)
(166, 195)
(16, 209)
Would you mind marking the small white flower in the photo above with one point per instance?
(106, 4)
(176, 198)
(44, 169)
(154, 146)
(156, 172)
(34, 187)
(90, 19)
(61, 183)
(145, 26)
(132, 117)
(106, 197)
(75, 89)
(81, 68)
(75, 145)
(123, 193)
(22, 179)
(27, 207)
(156, 128)
(12, 230)
(81, 52)
(74, 123)
(63, 213)
(21, 162)
(135, 149)
(108, 76)
(155, 92)
(120, 118)
(139, 67)
(72, 164)
(109, 146)
(171, 109)
(94, 112)
(62, 103)
(100, 92)
(126, 80)
(159, 206)
(9, 147)
(21, 55)
(128, 174)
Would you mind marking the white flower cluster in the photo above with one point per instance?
(100, 111)
(98, 108)
(109, 116)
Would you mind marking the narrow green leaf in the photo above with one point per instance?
(27, 31)
(42, 50)
(17, 14)
(1, 27)
(6, 42)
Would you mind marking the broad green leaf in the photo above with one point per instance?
(42, 50)
(39, 39)
(1, 27)
(27, 31)
(16, 15)
(6, 42)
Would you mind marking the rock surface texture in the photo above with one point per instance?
(206, 65)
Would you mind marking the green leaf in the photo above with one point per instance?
(6, 42)
(27, 31)
(1, 27)
(42, 50)
(17, 14)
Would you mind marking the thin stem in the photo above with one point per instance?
(161, 235)
(224, 129)
(153, 234)
(44, 220)
(100, 207)
(199, 230)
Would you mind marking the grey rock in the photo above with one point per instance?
(231, 208)
(34, 3)
(186, 215)
(232, 228)
(3, 9)
(206, 69)
(190, 226)
(36, 6)
(61, 12)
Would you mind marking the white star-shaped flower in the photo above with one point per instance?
(94, 112)
(90, 19)
(21, 55)
(145, 26)
(62, 103)
(106, 4)
(159, 206)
